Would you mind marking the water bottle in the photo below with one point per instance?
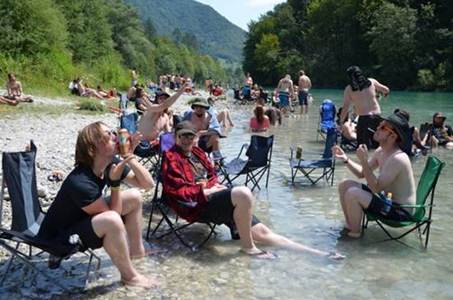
(387, 204)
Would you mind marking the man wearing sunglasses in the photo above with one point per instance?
(395, 177)
(194, 193)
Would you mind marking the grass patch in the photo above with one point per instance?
(92, 105)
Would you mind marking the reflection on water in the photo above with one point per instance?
(310, 215)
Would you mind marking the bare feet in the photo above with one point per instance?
(354, 235)
(141, 281)
(335, 256)
(147, 252)
(258, 253)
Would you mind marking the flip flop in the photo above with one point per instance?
(261, 254)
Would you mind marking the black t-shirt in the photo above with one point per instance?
(81, 188)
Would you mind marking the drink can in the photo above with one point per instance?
(123, 141)
(299, 152)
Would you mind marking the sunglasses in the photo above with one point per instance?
(386, 128)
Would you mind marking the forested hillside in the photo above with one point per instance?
(407, 44)
(49, 42)
(210, 31)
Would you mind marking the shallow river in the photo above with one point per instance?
(310, 215)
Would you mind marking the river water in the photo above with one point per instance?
(310, 215)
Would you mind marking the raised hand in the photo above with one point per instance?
(362, 153)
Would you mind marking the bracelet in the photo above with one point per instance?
(346, 161)
(115, 189)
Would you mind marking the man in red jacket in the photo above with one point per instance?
(191, 186)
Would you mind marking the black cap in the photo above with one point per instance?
(185, 127)
(161, 93)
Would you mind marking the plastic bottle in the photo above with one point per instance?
(388, 203)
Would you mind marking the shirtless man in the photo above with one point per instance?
(285, 91)
(155, 120)
(363, 94)
(14, 90)
(395, 176)
(304, 87)
(207, 126)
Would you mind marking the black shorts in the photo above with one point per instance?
(303, 97)
(146, 149)
(379, 206)
(220, 209)
(365, 136)
(86, 233)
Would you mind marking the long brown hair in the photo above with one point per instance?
(259, 113)
(87, 139)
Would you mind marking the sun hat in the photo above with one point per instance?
(401, 127)
(199, 101)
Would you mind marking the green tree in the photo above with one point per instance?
(31, 27)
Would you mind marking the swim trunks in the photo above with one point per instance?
(364, 135)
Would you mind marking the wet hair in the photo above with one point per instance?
(358, 81)
(87, 139)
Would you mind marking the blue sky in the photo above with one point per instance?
(241, 12)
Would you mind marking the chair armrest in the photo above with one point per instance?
(415, 205)
(244, 146)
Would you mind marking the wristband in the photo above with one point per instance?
(115, 188)
(115, 183)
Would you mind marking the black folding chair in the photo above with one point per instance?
(159, 205)
(19, 175)
(307, 167)
(255, 166)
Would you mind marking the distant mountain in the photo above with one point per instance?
(216, 35)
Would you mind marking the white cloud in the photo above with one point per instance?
(259, 3)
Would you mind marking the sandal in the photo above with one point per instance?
(261, 254)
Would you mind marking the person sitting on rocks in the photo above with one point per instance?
(189, 177)
(85, 90)
(207, 125)
(14, 90)
(81, 206)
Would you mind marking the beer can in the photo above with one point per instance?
(123, 141)
(299, 152)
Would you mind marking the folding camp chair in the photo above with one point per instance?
(327, 113)
(422, 214)
(159, 204)
(258, 162)
(19, 175)
(308, 167)
(129, 122)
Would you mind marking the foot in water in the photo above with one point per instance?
(260, 254)
(141, 281)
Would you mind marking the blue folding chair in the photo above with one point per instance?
(327, 113)
(308, 167)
